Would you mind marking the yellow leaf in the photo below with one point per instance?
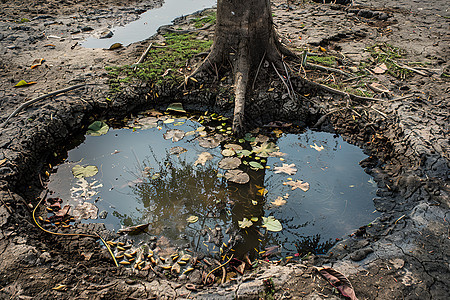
(115, 46)
(271, 89)
(2, 161)
(322, 49)
(262, 192)
(193, 79)
(24, 83)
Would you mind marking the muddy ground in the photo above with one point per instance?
(403, 255)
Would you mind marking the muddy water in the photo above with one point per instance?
(140, 181)
(149, 22)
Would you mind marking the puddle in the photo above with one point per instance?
(140, 181)
(149, 22)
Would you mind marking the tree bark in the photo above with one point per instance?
(244, 35)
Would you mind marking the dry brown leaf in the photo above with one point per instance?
(203, 158)
(315, 147)
(279, 201)
(380, 69)
(339, 281)
(304, 186)
(288, 169)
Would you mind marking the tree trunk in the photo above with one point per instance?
(244, 36)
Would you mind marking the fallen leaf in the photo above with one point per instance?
(265, 149)
(174, 134)
(272, 250)
(244, 152)
(288, 169)
(97, 128)
(115, 46)
(379, 88)
(249, 138)
(178, 107)
(318, 148)
(210, 141)
(85, 211)
(203, 158)
(304, 186)
(262, 192)
(168, 121)
(380, 69)
(279, 201)
(177, 150)
(254, 219)
(256, 165)
(192, 219)
(2, 161)
(229, 163)
(339, 281)
(261, 139)
(24, 83)
(228, 152)
(82, 172)
(245, 223)
(62, 212)
(271, 224)
(37, 62)
(234, 147)
(237, 176)
(134, 230)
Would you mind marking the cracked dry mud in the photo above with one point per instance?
(404, 255)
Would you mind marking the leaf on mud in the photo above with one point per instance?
(237, 176)
(288, 169)
(265, 149)
(178, 107)
(210, 141)
(134, 230)
(229, 163)
(174, 134)
(235, 147)
(272, 224)
(63, 211)
(256, 165)
(315, 147)
(304, 186)
(192, 219)
(380, 69)
(85, 211)
(339, 281)
(115, 46)
(82, 172)
(97, 128)
(379, 88)
(24, 83)
(245, 223)
(228, 152)
(203, 158)
(2, 161)
(36, 63)
(279, 201)
(177, 150)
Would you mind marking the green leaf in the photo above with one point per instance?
(97, 128)
(245, 223)
(256, 165)
(254, 219)
(244, 152)
(265, 149)
(272, 224)
(249, 138)
(178, 107)
(81, 172)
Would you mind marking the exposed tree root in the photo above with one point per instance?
(241, 80)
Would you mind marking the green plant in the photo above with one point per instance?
(202, 21)
(322, 60)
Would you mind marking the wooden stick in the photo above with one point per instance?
(144, 55)
(28, 103)
(319, 67)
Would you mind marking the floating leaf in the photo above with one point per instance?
(339, 281)
(249, 138)
(277, 154)
(210, 141)
(192, 219)
(271, 224)
(155, 176)
(174, 134)
(304, 186)
(254, 202)
(228, 152)
(265, 149)
(241, 153)
(279, 201)
(229, 163)
(178, 107)
(115, 46)
(203, 158)
(245, 223)
(24, 83)
(168, 121)
(134, 230)
(288, 169)
(81, 172)
(177, 150)
(237, 176)
(256, 165)
(97, 128)
(85, 211)
(262, 191)
(235, 147)
(254, 219)
(261, 139)
(315, 147)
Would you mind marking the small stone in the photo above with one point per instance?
(103, 214)
(360, 254)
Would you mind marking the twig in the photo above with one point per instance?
(257, 71)
(224, 275)
(353, 78)
(282, 79)
(409, 68)
(144, 55)
(328, 69)
(28, 103)
(222, 265)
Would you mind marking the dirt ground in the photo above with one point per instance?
(403, 255)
